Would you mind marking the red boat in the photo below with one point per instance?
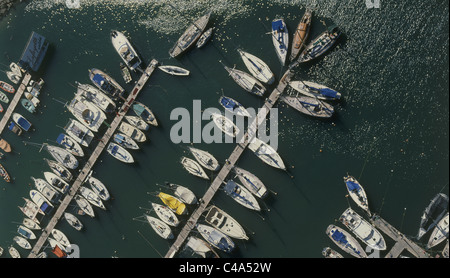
(7, 87)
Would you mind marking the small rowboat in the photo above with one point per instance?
(174, 70)
(3, 97)
(27, 104)
(4, 174)
(7, 87)
(13, 77)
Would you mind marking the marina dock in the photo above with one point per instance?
(402, 242)
(230, 162)
(13, 103)
(92, 159)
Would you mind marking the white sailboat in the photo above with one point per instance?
(257, 67)
(280, 39)
(345, 241)
(133, 132)
(22, 242)
(79, 132)
(161, 228)
(91, 197)
(266, 153)
(97, 97)
(63, 156)
(241, 195)
(205, 159)
(138, 122)
(440, 232)
(84, 205)
(99, 188)
(251, 182)
(194, 168)
(57, 182)
(166, 215)
(60, 237)
(86, 112)
(73, 221)
(119, 153)
(216, 238)
(246, 81)
(59, 170)
(183, 193)
(357, 193)
(222, 221)
(225, 124)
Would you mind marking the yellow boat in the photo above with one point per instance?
(173, 203)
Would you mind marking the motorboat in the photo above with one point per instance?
(183, 193)
(125, 141)
(166, 215)
(13, 252)
(132, 132)
(31, 224)
(205, 159)
(200, 247)
(125, 50)
(137, 122)
(280, 39)
(190, 36)
(225, 124)
(97, 97)
(145, 113)
(44, 205)
(433, 213)
(7, 87)
(99, 188)
(26, 232)
(60, 237)
(22, 242)
(16, 69)
(345, 241)
(301, 35)
(4, 145)
(440, 232)
(363, 230)
(119, 153)
(56, 182)
(222, 221)
(47, 190)
(14, 78)
(70, 144)
(320, 45)
(266, 153)
(174, 70)
(63, 156)
(241, 195)
(4, 174)
(216, 238)
(125, 73)
(3, 97)
(79, 132)
(105, 83)
(91, 197)
(246, 81)
(59, 170)
(173, 203)
(34, 100)
(257, 67)
(309, 106)
(21, 121)
(327, 252)
(233, 106)
(205, 37)
(315, 90)
(84, 205)
(161, 228)
(28, 105)
(87, 113)
(357, 193)
(194, 168)
(73, 221)
(251, 182)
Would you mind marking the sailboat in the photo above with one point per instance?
(257, 67)
(345, 241)
(14, 78)
(222, 221)
(225, 124)
(13, 252)
(44, 205)
(87, 113)
(216, 238)
(266, 153)
(16, 69)
(57, 182)
(119, 153)
(320, 44)
(246, 81)
(22, 242)
(73, 221)
(327, 252)
(26, 232)
(200, 247)
(59, 170)
(233, 106)
(161, 228)
(31, 224)
(312, 89)
(309, 105)
(194, 168)
(440, 232)
(241, 195)
(91, 197)
(204, 38)
(47, 190)
(251, 182)
(205, 159)
(99, 188)
(97, 97)
(190, 36)
(166, 215)
(174, 70)
(84, 205)
(137, 122)
(433, 213)
(280, 39)
(356, 191)
(4, 174)
(63, 156)
(301, 35)
(105, 83)
(173, 203)
(125, 141)
(133, 132)
(145, 113)
(125, 50)
(183, 193)
(70, 144)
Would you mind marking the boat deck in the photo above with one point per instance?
(230, 162)
(402, 242)
(92, 159)
(13, 103)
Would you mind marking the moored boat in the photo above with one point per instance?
(205, 37)
(119, 153)
(4, 174)
(301, 35)
(327, 252)
(433, 213)
(205, 159)
(174, 70)
(56, 182)
(47, 190)
(241, 195)
(14, 78)
(440, 232)
(233, 106)
(4, 145)
(126, 51)
(161, 228)
(7, 87)
(357, 193)
(91, 197)
(21, 121)
(60, 237)
(31, 224)
(309, 106)
(3, 97)
(99, 188)
(73, 221)
(222, 221)
(132, 132)
(13, 252)
(216, 238)
(44, 205)
(173, 203)
(312, 89)
(345, 241)
(59, 170)
(125, 141)
(266, 153)
(166, 215)
(251, 182)
(26, 232)
(84, 205)
(200, 247)
(70, 144)
(125, 73)
(97, 97)
(145, 113)
(363, 230)
(28, 105)
(190, 36)
(257, 67)
(22, 242)
(183, 193)
(193, 168)
(280, 39)
(63, 156)
(225, 124)
(320, 44)
(16, 69)
(137, 122)
(246, 81)
(105, 83)
(86, 112)
(79, 132)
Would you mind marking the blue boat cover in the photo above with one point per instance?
(328, 92)
(352, 185)
(339, 237)
(277, 25)
(24, 123)
(60, 138)
(228, 103)
(98, 79)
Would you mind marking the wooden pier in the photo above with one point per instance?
(230, 162)
(13, 103)
(92, 159)
(402, 242)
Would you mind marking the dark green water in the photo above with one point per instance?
(390, 131)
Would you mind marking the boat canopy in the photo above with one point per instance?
(352, 186)
(339, 237)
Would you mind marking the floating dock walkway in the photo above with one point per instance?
(13, 103)
(402, 242)
(93, 158)
(230, 162)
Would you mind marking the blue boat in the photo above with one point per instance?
(216, 238)
(105, 83)
(27, 104)
(21, 121)
(233, 106)
(345, 241)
